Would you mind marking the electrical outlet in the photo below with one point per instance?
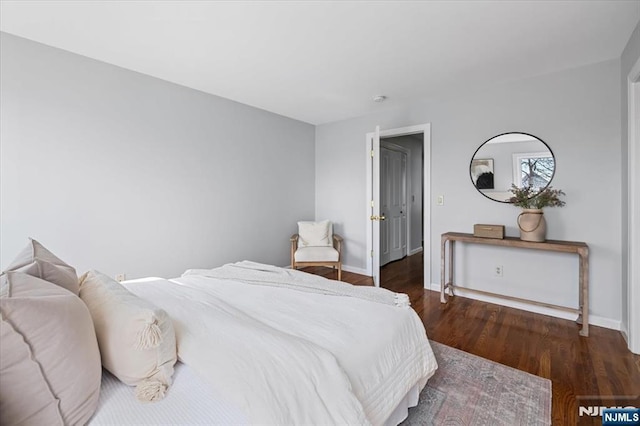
(121, 277)
(498, 271)
(440, 200)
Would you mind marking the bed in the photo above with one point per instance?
(270, 352)
(245, 343)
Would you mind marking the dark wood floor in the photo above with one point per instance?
(585, 371)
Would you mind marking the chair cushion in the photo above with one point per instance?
(50, 371)
(315, 234)
(316, 254)
(37, 261)
(137, 339)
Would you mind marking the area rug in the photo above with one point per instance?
(470, 390)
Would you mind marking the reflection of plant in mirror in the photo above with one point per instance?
(531, 198)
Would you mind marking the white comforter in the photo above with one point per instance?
(293, 357)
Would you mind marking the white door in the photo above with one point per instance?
(393, 204)
(374, 217)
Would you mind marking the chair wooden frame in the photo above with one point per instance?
(337, 244)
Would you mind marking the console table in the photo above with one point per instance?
(581, 249)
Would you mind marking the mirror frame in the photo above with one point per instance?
(508, 133)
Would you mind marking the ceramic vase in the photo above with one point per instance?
(532, 225)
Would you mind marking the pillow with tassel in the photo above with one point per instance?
(136, 339)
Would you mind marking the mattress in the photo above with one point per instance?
(189, 401)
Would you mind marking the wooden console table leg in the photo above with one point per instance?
(443, 279)
(452, 246)
(580, 291)
(583, 317)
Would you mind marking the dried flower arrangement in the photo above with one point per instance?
(530, 198)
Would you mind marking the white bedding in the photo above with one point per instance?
(268, 275)
(344, 360)
(189, 401)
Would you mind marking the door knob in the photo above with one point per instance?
(375, 217)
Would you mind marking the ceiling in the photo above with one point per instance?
(320, 61)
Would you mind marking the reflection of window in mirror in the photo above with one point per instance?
(533, 169)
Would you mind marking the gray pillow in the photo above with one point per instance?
(50, 370)
(39, 262)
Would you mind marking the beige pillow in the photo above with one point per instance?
(315, 234)
(136, 339)
(50, 369)
(36, 260)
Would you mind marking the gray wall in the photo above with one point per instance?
(630, 56)
(122, 172)
(577, 112)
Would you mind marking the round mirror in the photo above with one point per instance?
(514, 158)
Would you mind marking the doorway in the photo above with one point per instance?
(417, 237)
(393, 201)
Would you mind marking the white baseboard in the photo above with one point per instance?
(346, 268)
(593, 319)
(355, 270)
(415, 251)
(625, 334)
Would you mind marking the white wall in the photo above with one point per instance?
(122, 172)
(576, 112)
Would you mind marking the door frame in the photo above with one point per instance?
(374, 255)
(407, 184)
(633, 187)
